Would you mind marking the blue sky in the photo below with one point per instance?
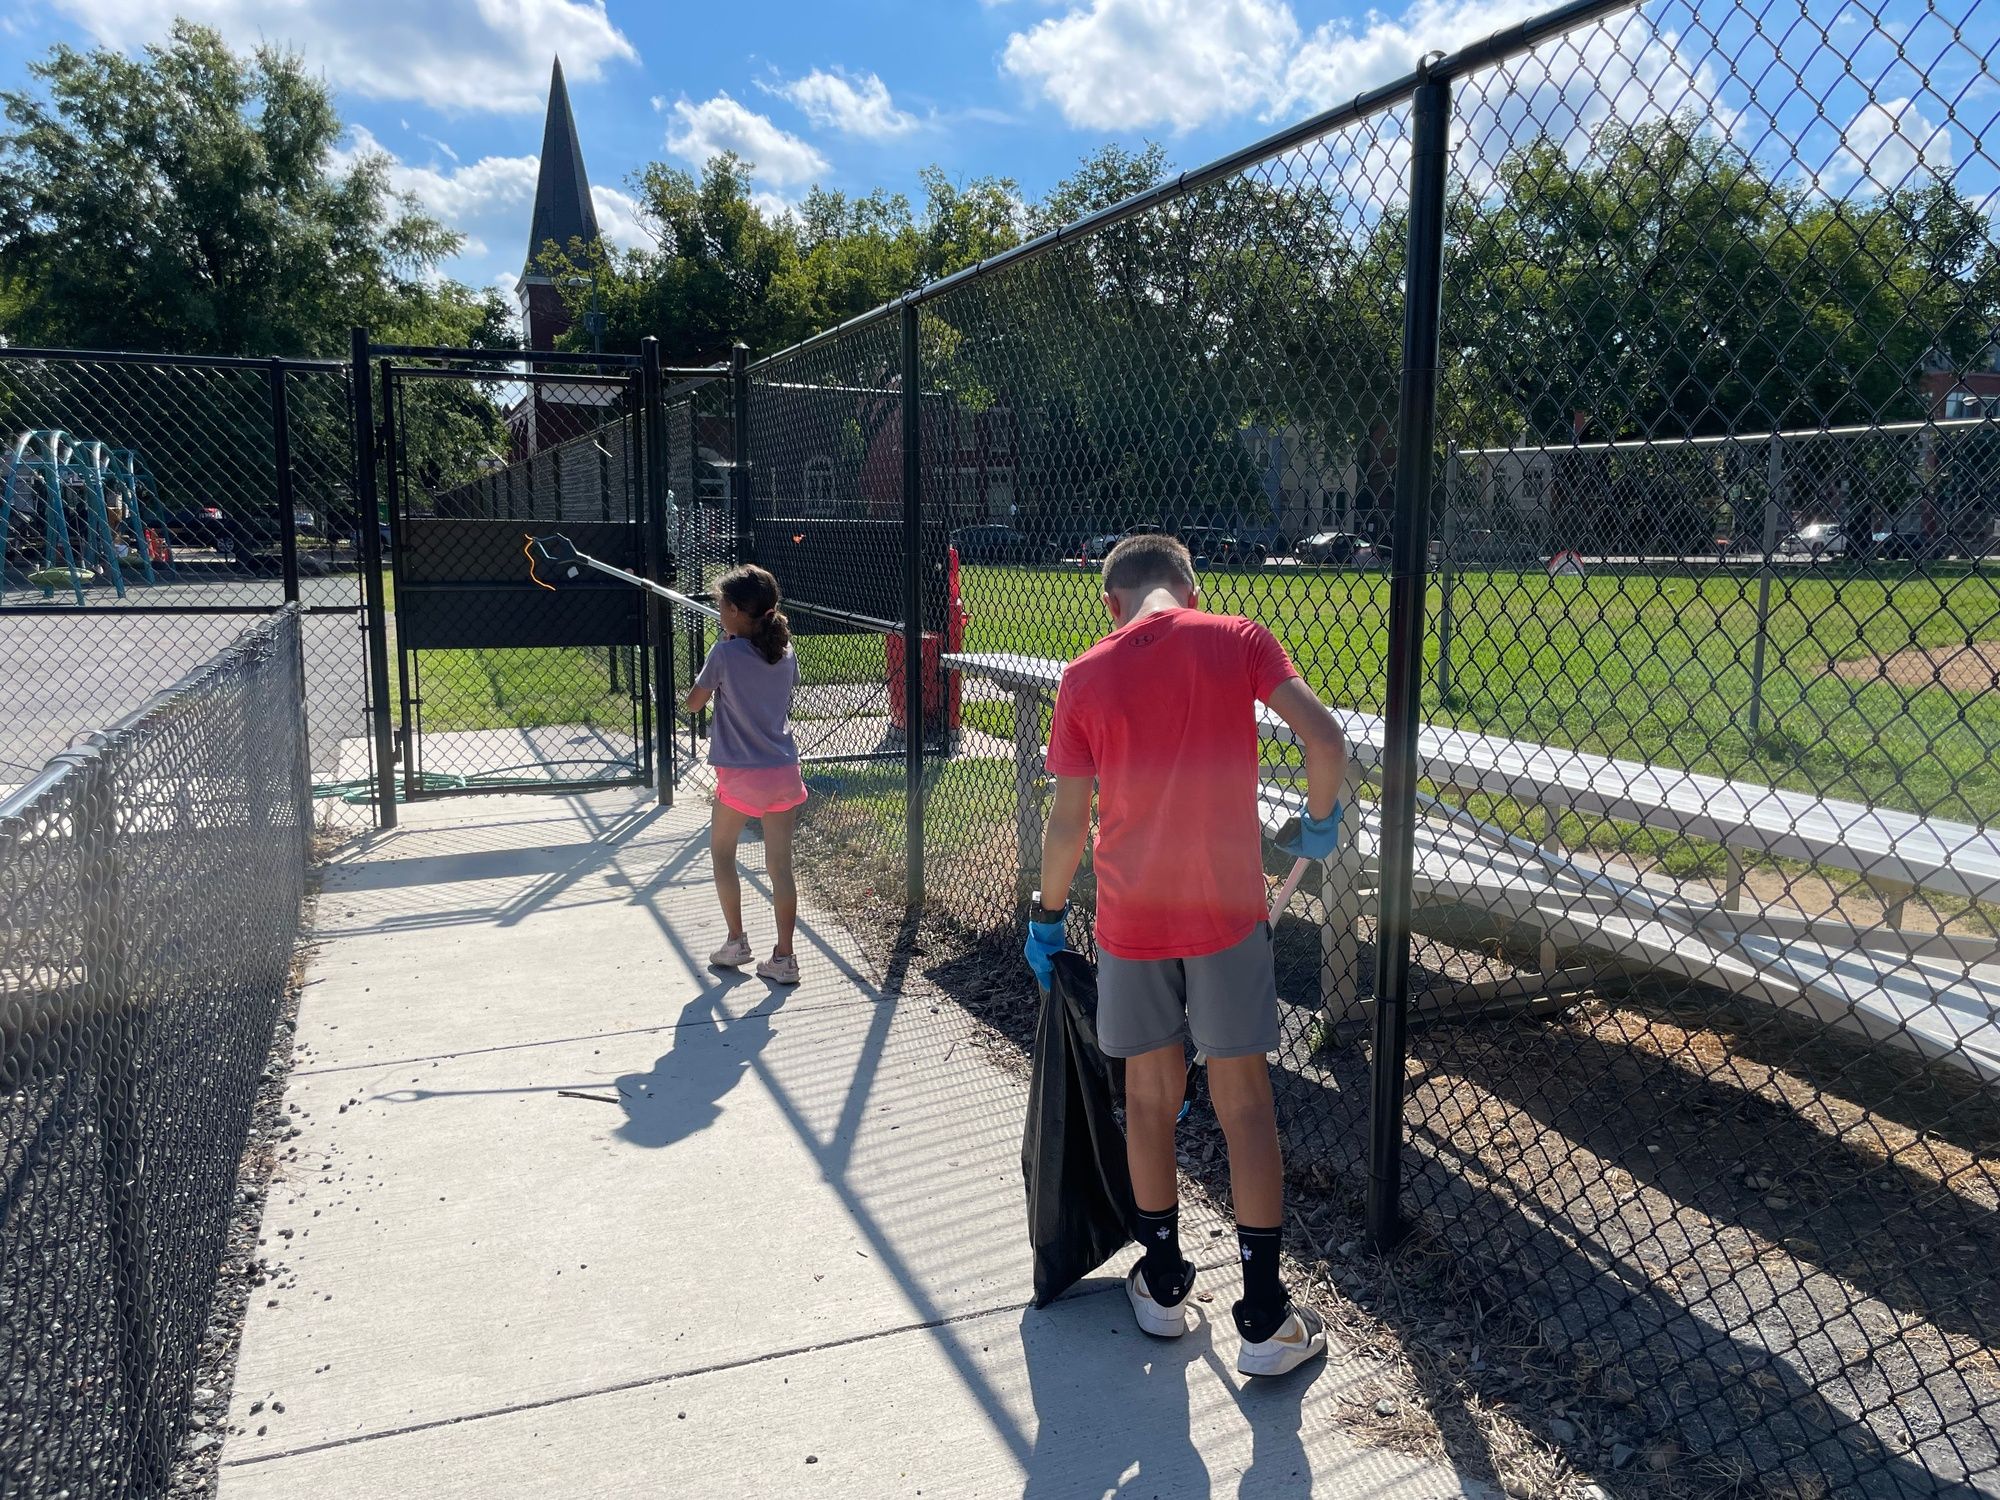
(859, 93)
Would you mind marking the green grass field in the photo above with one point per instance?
(517, 687)
(1644, 666)
(1641, 665)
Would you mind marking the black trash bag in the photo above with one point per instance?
(1073, 1152)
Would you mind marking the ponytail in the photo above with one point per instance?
(755, 592)
(773, 635)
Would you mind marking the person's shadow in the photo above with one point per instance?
(1111, 1404)
(1112, 1408)
(711, 1051)
(1275, 1410)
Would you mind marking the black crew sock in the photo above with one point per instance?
(1159, 1235)
(1264, 1296)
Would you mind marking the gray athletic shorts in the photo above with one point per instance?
(1226, 1003)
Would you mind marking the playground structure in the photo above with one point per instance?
(50, 472)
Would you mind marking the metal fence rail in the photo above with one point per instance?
(1658, 995)
(150, 893)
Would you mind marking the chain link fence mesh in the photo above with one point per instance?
(1698, 1116)
(487, 706)
(825, 516)
(1699, 1121)
(172, 528)
(151, 884)
(1706, 947)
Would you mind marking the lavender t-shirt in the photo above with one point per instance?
(753, 706)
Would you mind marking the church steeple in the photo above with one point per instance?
(563, 213)
(562, 192)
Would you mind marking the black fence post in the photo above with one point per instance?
(697, 631)
(368, 522)
(281, 458)
(739, 469)
(659, 615)
(914, 724)
(393, 439)
(1416, 425)
(604, 514)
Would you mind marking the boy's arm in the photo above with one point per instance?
(1318, 733)
(1063, 839)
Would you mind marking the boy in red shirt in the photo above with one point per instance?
(1160, 715)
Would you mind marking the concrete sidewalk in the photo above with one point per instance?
(572, 1214)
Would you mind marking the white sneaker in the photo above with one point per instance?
(780, 969)
(1298, 1339)
(1161, 1320)
(733, 954)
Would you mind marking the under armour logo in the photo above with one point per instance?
(1161, 1233)
(1246, 1252)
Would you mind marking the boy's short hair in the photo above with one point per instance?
(1151, 560)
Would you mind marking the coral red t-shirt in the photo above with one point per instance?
(1162, 713)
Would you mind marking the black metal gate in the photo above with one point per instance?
(504, 685)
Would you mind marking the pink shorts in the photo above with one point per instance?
(756, 790)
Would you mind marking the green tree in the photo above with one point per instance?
(1667, 285)
(190, 200)
(721, 268)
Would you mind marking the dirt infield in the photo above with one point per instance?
(1971, 668)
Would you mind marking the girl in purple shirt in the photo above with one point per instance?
(749, 678)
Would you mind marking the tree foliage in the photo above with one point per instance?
(1668, 285)
(724, 268)
(193, 200)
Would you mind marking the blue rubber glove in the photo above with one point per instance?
(1045, 941)
(1310, 838)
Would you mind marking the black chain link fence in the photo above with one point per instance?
(824, 513)
(195, 494)
(1658, 607)
(503, 687)
(699, 438)
(151, 884)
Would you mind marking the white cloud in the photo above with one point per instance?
(461, 195)
(1890, 145)
(856, 106)
(1123, 64)
(618, 218)
(1127, 64)
(700, 131)
(473, 55)
(489, 199)
(772, 205)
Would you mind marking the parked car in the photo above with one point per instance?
(1097, 548)
(1339, 549)
(195, 526)
(1212, 545)
(1897, 545)
(1000, 544)
(1822, 539)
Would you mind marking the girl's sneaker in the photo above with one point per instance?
(780, 968)
(733, 954)
(1296, 1340)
